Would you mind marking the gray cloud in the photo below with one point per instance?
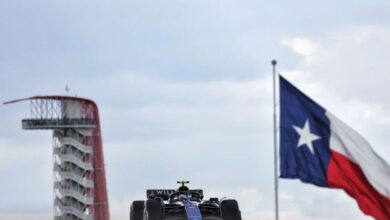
(187, 78)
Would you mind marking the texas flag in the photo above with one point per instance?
(317, 148)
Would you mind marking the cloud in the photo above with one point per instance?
(30, 216)
(225, 125)
(188, 83)
(351, 62)
(301, 46)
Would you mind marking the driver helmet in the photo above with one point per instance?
(183, 188)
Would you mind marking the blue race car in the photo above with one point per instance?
(183, 204)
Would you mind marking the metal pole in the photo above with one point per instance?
(274, 62)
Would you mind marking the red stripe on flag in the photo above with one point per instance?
(344, 174)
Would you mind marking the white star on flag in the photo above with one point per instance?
(306, 137)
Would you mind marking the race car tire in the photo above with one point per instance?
(153, 210)
(230, 210)
(137, 210)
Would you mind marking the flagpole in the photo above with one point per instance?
(274, 62)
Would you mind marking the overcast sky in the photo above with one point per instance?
(185, 92)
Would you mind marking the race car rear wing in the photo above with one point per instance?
(165, 193)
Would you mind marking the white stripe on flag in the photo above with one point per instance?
(351, 144)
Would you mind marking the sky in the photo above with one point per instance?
(184, 90)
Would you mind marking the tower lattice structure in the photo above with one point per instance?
(78, 164)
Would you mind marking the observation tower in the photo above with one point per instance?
(79, 176)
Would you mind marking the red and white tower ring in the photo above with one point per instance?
(80, 190)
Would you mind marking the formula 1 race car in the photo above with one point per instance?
(183, 204)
